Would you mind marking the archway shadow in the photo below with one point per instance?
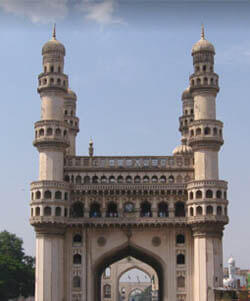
(123, 252)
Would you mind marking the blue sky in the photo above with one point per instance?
(128, 62)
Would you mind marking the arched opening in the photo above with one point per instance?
(180, 239)
(191, 211)
(127, 251)
(112, 210)
(163, 209)
(146, 209)
(77, 239)
(58, 132)
(49, 131)
(207, 131)
(78, 179)
(47, 211)
(198, 131)
(219, 210)
(95, 180)
(77, 259)
(180, 209)
(111, 179)
(103, 179)
(37, 211)
(218, 194)
(41, 132)
(47, 194)
(198, 194)
(107, 291)
(163, 179)
(128, 179)
(171, 179)
(209, 194)
(120, 179)
(215, 131)
(38, 195)
(191, 195)
(145, 179)
(58, 211)
(86, 180)
(209, 210)
(77, 210)
(154, 179)
(95, 210)
(58, 195)
(199, 210)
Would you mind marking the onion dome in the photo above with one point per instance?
(203, 44)
(186, 94)
(53, 45)
(182, 150)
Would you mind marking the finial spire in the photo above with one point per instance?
(202, 32)
(91, 148)
(54, 32)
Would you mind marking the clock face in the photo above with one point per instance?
(129, 207)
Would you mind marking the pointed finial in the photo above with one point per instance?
(91, 148)
(54, 32)
(202, 32)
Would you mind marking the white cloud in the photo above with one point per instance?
(39, 11)
(100, 12)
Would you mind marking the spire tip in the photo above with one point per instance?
(54, 32)
(202, 32)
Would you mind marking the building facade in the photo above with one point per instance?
(91, 211)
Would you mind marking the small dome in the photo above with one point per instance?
(186, 94)
(71, 94)
(182, 150)
(203, 44)
(53, 45)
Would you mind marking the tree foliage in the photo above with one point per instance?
(17, 276)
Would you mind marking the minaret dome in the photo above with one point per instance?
(53, 45)
(203, 44)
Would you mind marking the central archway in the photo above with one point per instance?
(118, 254)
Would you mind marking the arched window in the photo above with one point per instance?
(191, 211)
(163, 209)
(77, 259)
(47, 194)
(191, 195)
(198, 81)
(219, 210)
(163, 179)
(64, 133)
(154, 179)
(86, 180)
(37, 212)
(49, 131)
(76, 282)
(209, 210)
(58, 195)
(111, 179)
(77, 239)
(145, 179)
(146, 209)
(198, 131)
(128, 179)
(45, 69)
(58, 211)
(180, 209)
(95, 179)
(112, 210)
(66, 196)
(207, 131)
(205, 80)
(41, 132)
(198, 194)
(95, 210)
(218, 194)
(66, 178)
(180, 259)
(137, 179)
(215, 132)
(103, 179)
(38, 195)
(171, 179)
(107, 291)
(204, 67)
(120, 179)
(51, 68)
(78, 179)
(47, 211)
(199, 210)
(181, 282)
(180, 239)
(77, 210)
(58, 132)
(59, 81)
(192, 133)
(209, 194)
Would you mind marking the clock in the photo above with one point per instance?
(129, 207)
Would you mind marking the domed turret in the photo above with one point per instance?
(71, 95)
(182, 150)
(203, 44)
(53, 45)
(186, 94)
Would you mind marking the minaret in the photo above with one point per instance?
(207, 195)
(72, 120)
(50, 193)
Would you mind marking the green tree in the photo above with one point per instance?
(17, 273)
